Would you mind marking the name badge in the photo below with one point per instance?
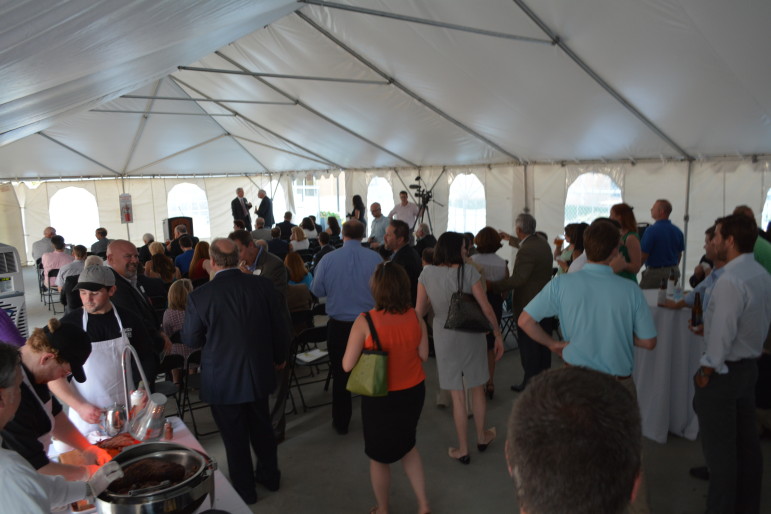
(258, 271)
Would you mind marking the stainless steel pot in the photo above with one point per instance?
(184, 497)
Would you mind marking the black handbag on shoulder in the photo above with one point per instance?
(464, 313)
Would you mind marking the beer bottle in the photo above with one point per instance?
(671, 283)
(697, 314)
(662, 298)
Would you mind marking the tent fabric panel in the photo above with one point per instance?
(684, 64)
(218, 156)
(85, 53)
(532, 116)
(34, 157)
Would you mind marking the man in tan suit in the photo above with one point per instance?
(532, 270)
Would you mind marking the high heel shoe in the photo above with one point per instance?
(463, 459)
(483, 446)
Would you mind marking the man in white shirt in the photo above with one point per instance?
(377, 227)
(405, 211)
(44, 245)
(735, 327)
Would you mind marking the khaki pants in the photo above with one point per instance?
(651, 277)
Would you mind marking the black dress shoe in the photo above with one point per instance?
(271, 482)
(518, 388)
(700, 472)
(340, 430)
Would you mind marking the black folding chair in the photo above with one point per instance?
(193, 381)
(308, 341)
(167, 387)
(52, 292)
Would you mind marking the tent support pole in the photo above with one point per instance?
(190, 99)
(527, 193)
(301, 156)
(406, 90)
(282, 76)
(141, 128)
(686, 220)
(423, 21)
(599, 80)
(261, 127)
(310, 109)
(78, 153)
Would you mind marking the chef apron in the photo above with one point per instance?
(104, 376)
(47, 407)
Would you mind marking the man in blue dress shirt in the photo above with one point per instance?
(343, 278)
(662, 246)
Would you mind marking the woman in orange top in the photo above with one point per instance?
(390, 422)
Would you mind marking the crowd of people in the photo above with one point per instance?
(387, 282)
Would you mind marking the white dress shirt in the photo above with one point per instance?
(738, 315)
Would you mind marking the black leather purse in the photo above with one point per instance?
(464, 313)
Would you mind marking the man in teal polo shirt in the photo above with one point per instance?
(602, 316)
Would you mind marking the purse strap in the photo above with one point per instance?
(372, 331)
(460, 278)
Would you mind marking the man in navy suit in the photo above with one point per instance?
(237, 320)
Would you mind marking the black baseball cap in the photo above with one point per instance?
(73, 346)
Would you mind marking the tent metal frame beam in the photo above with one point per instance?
(404, 89)
(599, 80)
(203, 143)
(282, 76)
(324, 117)
(332, 164)
(81, 154)
(423, 21)
(190, 99)
(115, 111)
(140, 128)
(301, 156)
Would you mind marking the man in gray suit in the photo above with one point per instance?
(532, 271)
(260, 232)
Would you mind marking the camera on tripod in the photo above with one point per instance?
(421, 192)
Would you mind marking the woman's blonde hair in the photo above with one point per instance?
(156, 248)
(298, 233)
(178, 294)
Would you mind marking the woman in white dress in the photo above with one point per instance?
(460, 356)
(298, 241)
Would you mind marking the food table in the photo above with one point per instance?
(225, 497)
(664, 376)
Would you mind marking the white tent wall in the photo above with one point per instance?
(11, 232)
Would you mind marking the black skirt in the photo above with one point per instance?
(390, 423)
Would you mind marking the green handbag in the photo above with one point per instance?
(370, 375)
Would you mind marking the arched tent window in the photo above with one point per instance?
(190, 200)
(590, 196)
(380, 191)
(306, 198)
(76, 225)
(467, 206)
(766, 218)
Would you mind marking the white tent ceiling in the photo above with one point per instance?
(551, 80)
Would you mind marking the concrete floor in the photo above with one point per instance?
(324, 472)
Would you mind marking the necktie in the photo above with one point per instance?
(243, 206)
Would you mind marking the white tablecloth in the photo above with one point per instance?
(664, 375)
(225, 497)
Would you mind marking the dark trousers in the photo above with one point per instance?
(729, 438)
(241, 424)
(337, 339)
(279, 397)
(535, 356)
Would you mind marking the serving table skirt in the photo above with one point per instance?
(664, 376)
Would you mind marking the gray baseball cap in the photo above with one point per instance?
(94, 278)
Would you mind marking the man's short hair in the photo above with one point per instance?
(401, 230)
(222, 257)
(287, 215)
(148, 238)
(239, 225)
(242, 236)
(353, 229)
(743, 229)
(185, 242)
(275, 232)
(744, 210)
(574, 443)
(403, 192)
(424, 229)
(239, 189)
(600, 239)
(79, 251)
(666, 206)
(526, 223)
(259, 223)
(180, 229)
(261, 191)
(101, 231)
(323, 238)
(58, 242)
